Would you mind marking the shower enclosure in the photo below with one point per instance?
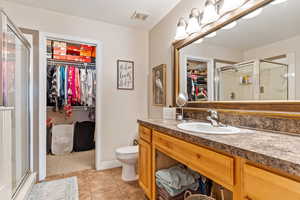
(252, 80)
(14, 96)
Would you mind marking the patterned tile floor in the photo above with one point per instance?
(103, 185)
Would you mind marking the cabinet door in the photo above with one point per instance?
(145, 172)
(260, 184)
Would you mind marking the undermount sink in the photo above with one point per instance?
(206, 128)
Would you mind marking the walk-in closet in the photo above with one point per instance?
(71, 105)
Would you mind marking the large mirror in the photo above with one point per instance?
(255, 59)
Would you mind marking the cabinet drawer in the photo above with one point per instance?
(145, 134)
(260, 184)
(209, 163)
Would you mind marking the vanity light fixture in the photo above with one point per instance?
(198, 41)
(253, 14)
(211, 35)
(181, 30)
(230, 26)
(193, 24)
(230, 5)
(278, 2)
(210, 13)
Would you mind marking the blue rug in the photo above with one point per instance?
(63, 189)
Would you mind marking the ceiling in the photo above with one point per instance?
(111, 11)
(275, 23)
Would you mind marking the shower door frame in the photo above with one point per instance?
(6, 23)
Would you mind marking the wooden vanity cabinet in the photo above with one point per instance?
(260, 184)
(244, 179)
(145, 160)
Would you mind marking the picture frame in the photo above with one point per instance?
(125, 74)
(159, 85)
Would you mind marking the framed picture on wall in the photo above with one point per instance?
(159, 85)
(125, 75)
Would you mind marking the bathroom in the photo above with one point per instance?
(203, 89)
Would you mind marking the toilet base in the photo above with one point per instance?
(129, 173)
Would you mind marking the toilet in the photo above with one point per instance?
(128, 157)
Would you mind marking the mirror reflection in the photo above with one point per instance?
(254, 58)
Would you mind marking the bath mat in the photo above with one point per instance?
(63, 189)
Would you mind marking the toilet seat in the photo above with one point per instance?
(128, 150)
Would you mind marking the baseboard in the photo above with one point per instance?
(24, 192)
(109, 164)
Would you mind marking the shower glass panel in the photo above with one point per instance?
(15, 94)
(273, 78)
(236, 83)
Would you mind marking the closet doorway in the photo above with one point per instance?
(72, 91)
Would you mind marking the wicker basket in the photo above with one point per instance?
(189, 196)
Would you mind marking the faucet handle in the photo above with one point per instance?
(213, 113)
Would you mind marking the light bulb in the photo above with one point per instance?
(181, 30)
(230, 26)
(193, 25)
(253, 14)
(199, 41)
(211, 35)
(230, 5)
(278, 2)
(210, 13)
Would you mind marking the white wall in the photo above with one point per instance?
(160, 43)
(120, 108)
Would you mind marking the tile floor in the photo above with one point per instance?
(103, 185)
(72, 162)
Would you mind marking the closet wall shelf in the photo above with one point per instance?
(74, 108)
(64, 62)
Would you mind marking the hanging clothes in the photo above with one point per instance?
(69, 85)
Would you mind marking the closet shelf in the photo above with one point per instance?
(75, 107)
(68, 62)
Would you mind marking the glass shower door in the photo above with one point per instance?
(273, 78)
(15, 94)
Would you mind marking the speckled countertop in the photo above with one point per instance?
(278, 151)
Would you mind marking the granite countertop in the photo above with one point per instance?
(278, 151)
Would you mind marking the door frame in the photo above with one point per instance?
(43, 97)
(210, 76)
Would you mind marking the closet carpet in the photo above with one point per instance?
(103, 185)
(72, 162)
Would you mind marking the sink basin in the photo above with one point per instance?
(206, 128)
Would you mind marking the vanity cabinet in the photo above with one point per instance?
(209, 163)
(145, 160)
(260, 184)
(246, 180)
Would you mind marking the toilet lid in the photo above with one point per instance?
(128, 150)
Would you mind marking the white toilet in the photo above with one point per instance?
(128, 157)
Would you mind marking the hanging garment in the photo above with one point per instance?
(66, 85)
(70, 84)
(90, 87)
(53, 89)
(62, 83)
(94, 87)
(58, 81)
(83, 86)
(50, 72)
(77, 86)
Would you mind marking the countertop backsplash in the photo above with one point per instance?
(252, 121)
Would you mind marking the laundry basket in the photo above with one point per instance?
(189, 196)
(62, 139)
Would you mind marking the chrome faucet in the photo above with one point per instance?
(213, 118)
